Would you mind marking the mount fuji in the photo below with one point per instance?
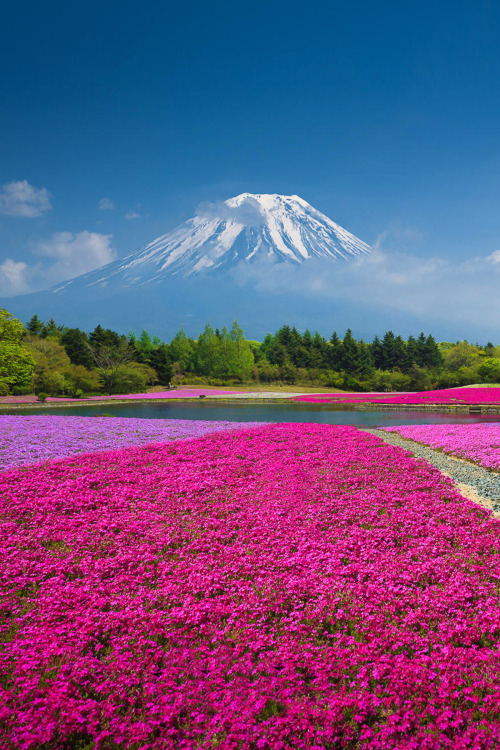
(215, 267)
(246, 229)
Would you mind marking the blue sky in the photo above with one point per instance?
(385, 116)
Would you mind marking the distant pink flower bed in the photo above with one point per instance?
(29, 439)
(448, 396)
(343, 398)
(291, 586)
(180, 393)
(477, 442)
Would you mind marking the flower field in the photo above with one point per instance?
(26, 440)
(447, 396)
(176, 393)
(476, 442)
(286, 586)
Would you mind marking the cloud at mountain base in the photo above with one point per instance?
(432, 290)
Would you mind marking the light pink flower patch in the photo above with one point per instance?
(289, 586)
(477, 442)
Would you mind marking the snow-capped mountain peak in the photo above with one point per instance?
(245, 229)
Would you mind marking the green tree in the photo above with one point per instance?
(377, 353)
(160, 361)
(489, 370)
(133, 377)
(207, 351)
(243, 358)
(334, 352)
(35, 325)
(432, 354)
(460, 355)
(389, 352)
(182, 350)
(349, 353)
(51, 329)
(365, 363)
(75, 343)
(108, 360)
(78, 378)
(105, 337)
(16, 362)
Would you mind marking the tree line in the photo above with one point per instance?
(52, 359)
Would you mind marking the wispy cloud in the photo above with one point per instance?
(247, 212)
(106, 204)
(64, 256)
(19, 198)
(393, 285)
(132, 215)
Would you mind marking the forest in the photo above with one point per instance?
(47, 358)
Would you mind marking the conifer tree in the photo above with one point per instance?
(349, 353)
(35, 326)
(334, 352)
(432, 353)
(377, 353)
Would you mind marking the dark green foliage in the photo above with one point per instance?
(51, 329)
(287, 356)
(76, 344)
(35, 326)
(105, 337)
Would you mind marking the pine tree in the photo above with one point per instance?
(75, 343)
(389, 351)
(401, 354)
(412, 350)
(318, 356)
(377, 353)
(334, 352)
(35, 326)
(349, 353)
(365, 363)
(432, 353)
(51, 329)
(159, 360)
(420, 350)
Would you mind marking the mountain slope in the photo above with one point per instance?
(246, 229)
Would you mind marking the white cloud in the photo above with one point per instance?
(132, 215)
(494, 257)
(106, 204)
(247, 212)
(68, 255)
(13, 277)
(394, 286)
(19, 198)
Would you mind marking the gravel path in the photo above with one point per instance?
(478, 484)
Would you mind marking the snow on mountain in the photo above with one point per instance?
(245, 229)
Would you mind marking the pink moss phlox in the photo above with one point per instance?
(476, 442)
(29, 439)
(449, 396)
(289, 586)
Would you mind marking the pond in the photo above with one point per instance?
(265, 412)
